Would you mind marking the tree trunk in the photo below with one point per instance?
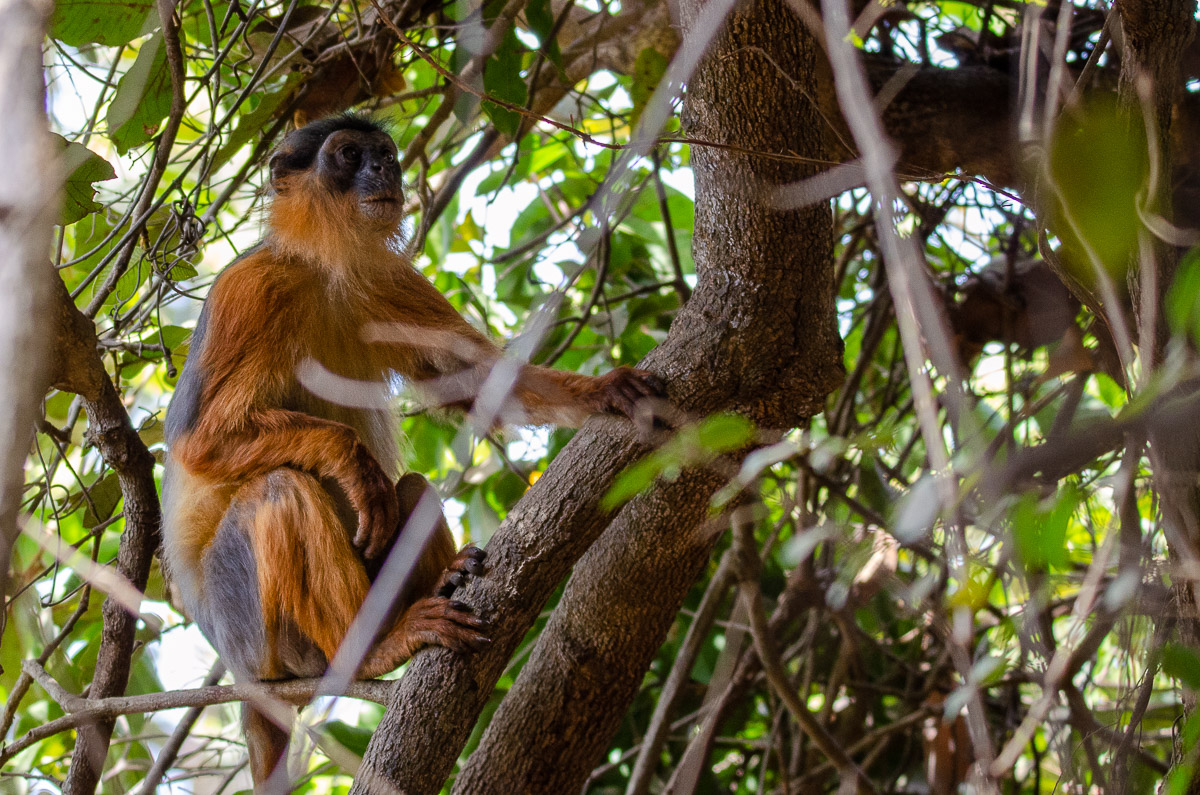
(28, 209)
(763, 309)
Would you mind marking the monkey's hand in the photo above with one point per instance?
(373, 497)
(621, 390)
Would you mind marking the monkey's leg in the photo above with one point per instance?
(439, 569)
(310, 574)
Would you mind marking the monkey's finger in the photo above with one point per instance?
(461, 614)
(625, 404)
(467, 642)
(367, 537)
(470, 560)
(454, 638)
(651, 386)
(451, 584)
(656, 385)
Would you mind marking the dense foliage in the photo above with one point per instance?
(912, 623)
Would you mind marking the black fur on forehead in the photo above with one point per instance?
(300, 148)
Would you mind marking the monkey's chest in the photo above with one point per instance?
(338, 378)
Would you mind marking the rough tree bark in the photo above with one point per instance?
(28, 210)
(762, 312)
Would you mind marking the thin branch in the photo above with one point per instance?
(83, 711)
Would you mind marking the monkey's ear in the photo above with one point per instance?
(282, 169)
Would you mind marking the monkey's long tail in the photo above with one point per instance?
(267, 743)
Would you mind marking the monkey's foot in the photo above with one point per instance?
(467, 563)
(433, 621)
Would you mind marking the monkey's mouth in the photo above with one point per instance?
(381, 207)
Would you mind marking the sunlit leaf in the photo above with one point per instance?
(110, 22)
(143, 97)
(83, 167)
(502, 79)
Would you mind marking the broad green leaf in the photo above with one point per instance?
(1040, 528)
(648, 70)
(540, 16)
(502, 79)
(252, 123)
(1098, 164)
(143, 97)
(100, 500)
(694, 445)
(1183, 297)
(351, 738)
(109, 22)
(83, 167)
(725, 432)
(1183, 664)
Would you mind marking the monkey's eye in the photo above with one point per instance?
(350, 153)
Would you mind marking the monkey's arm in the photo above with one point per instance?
(243, 367)
(454, 364)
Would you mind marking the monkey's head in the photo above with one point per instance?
(347, 158)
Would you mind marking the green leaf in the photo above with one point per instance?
(648, 70)
(725, 432)
(100, 500)
(633, 481)
(352, 738)
(1040, 528)
(1183, 664)
(172, 336)
(502, 79)
(1183, 297)
(1098, 165)
(109, 22)
(83, 167)
(694, 445)
(540, 17)
(143, 97)
(252, 123)
(1178, 780)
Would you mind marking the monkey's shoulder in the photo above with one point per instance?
(259, 274)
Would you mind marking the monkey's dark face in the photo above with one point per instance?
(345, 157)
(363, 164)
